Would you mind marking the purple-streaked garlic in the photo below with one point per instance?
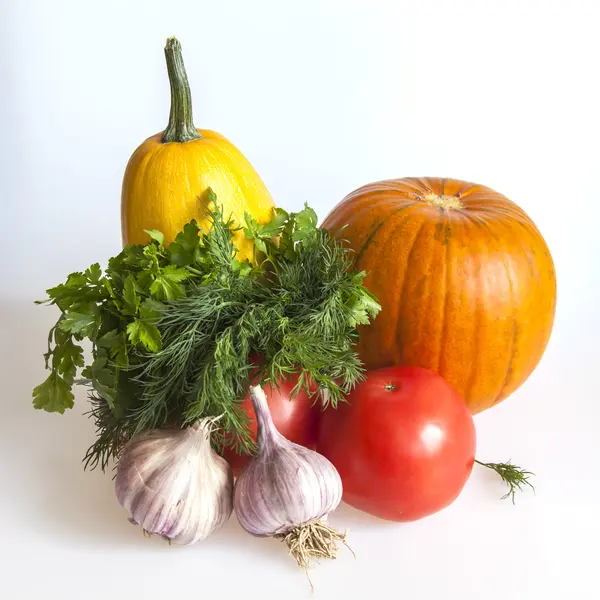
(173, 484)
(287, 491)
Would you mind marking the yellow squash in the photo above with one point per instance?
(170, 171)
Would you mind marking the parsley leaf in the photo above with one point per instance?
(66, 358)
(131, 301)
(262, 233)
(145, 333)
(252, 229)
(54, 395)
(183, 248)
(156, 235)
(110, 340)
(94, 273)
(150, 309)
(243, 269)
(166, 285)
(116, 344)
(306, 225)
(82, 320)
(103, 378)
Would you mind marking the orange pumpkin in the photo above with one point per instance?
(464, 277)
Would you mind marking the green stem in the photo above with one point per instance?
(181, 123)
(514, 476)
(194, 271)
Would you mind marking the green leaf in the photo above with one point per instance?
(150, 309)
(120, 354)
(131, 301)
(305, 230)
(156, 235)
(265, 231)
(75, 281)
(179, 256)
(280, 216)
(275, 226)
(109, 340)
(104, 378)
(151, 251)
(145, 279)
(252, 226)
(166, 285)
(82, 320)
(357, 313)
(175, 273)
(143, 332)
(306, 219)
(65, 295)
(78, 288)
(94, 273)
(260, 244)
(186, 242)
(371, 303)
(66, 357)
(243, 269)
(54, 395)
(286, 243)
(109, 288)
(132, 255)
(116, 344)
(203, 259)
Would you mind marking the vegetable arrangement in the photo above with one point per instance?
(232, 339)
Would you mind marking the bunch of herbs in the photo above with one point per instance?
(178, 332)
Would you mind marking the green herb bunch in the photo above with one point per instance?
(179, 332)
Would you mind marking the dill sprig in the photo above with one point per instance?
(514, 476)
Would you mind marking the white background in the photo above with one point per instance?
(322, 97)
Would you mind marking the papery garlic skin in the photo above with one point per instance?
(173, 483)
(285, 485)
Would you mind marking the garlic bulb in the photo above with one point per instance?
(174, 484)
(287, 491)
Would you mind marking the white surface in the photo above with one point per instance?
(322, 96)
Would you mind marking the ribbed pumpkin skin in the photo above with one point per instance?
(163, 182)
(468, 292)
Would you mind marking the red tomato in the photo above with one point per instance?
(295, 418)
(404, 445)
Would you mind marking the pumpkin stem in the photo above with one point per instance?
(181, 123)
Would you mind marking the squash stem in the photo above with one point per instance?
(181, 123)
